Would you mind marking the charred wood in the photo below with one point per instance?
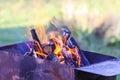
(84, 60)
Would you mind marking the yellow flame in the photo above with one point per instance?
(42, 32)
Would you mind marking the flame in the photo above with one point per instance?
(40, 51)
(41, 32)
(61, 50)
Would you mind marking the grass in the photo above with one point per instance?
(12, 35)
(25, 13)
(91, 42)
(118, 78)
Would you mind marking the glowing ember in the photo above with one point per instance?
(57, 48)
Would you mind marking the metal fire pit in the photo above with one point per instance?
(101, 67)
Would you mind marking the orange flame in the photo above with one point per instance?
(41, 32)
(40, 52)
(61, 50)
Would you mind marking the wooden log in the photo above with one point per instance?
(84, 60)
(47, 49)
(35, 37)
(37, 45)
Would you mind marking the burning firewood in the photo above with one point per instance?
(66, 35)
(84, 60)
(47, 49)
(59, 48)
(38, 45)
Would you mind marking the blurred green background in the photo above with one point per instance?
(95, 23)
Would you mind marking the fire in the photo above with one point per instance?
(57, 44)
(41, 32)
(40, 52)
